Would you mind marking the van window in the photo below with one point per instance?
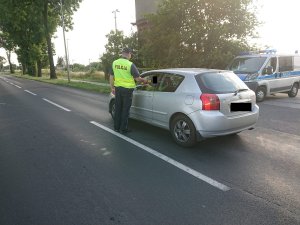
(272, 62)
(247, 64)
(297, 63)
(285, 63)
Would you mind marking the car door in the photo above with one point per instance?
(142, 101)
(271, 78)
(165, 99)
(285, 79)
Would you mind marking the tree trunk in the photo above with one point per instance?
(39, 67)
(8, 53)
(49, 44)
(32, 69)
(24, 68)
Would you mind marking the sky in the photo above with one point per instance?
(94, 19)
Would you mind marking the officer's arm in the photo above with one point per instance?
(140, 79)
(136, 74)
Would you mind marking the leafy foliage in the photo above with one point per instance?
(197, 33)
(60, 62)
(29, 26)
(116, 41)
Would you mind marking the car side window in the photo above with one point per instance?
(169, 82)
(150, 86)
(156, 81)
(270, 66)
(274, 63)
(285, 63)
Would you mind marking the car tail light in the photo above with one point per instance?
(210, 102)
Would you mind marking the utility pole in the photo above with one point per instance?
(115, 15)
(63, 26)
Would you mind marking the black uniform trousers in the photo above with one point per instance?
(122, 107)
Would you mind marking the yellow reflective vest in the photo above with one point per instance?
(122, 74)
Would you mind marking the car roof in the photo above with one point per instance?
(185, 71)
(266, 55)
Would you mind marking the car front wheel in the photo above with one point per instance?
(183, 131)
(112, 108)
(260, 94)
(294, 90)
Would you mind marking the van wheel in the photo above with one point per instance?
(294, 90)
(183, 131)
(112, 108)
(260, 94)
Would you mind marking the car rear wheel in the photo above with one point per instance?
(260, 94)
(294, 90)
(183, 131)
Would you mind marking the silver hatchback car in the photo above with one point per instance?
(194, 103)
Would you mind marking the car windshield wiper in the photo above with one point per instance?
(240, 90)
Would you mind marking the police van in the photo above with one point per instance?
(266, 72)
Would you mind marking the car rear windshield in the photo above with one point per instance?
(219, 82)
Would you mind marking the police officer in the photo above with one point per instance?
(122, 82)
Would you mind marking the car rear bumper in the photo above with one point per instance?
(214, 123)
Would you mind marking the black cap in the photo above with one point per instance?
(127, 50)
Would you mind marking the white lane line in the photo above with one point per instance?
(59, 106)
(30, 92)
(179, 165)
(7, 81)
(17, 86)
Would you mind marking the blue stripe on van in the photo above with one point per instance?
(279, 75)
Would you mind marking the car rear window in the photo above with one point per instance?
(219, 82)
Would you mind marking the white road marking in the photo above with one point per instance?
(167, 159)
(59, 106)
(29, 92)
(16, 86)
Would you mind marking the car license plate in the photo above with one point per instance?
(241, 106)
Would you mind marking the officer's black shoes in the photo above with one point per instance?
(125, 131)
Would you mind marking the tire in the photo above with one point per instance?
(294, 90)
(112, 108)
(260, 94)
(183, 131)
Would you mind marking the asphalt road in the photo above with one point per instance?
(60, 163)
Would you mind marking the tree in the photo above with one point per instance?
(7, 44)
(76, 67)
(2, 61)
(60, 62)
(20, 21)
(52, 10)
(197, 33)
(31, 24)
(116, 41)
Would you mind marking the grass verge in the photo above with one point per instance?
(63, 82)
